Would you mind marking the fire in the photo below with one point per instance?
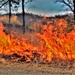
(54, 42)
(58, 43)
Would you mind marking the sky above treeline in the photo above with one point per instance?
(39, 5)
(45, 5)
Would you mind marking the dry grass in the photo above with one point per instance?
(13, 68)
(14, 19)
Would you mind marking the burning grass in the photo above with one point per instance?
(55, 40)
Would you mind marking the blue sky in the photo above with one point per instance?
(39, 6)
(46, 5)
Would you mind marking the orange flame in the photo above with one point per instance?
(54, 42)
(58, 43)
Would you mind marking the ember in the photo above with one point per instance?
(54, 42)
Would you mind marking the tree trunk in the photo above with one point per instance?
(74, 10)
(23, 14)
(9, 11)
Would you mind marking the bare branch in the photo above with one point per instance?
(29, 1)
(4, 4)
(68, 5)
(15, 1)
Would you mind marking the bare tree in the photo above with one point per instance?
(69, 3)
(74, 9)
(8, 2)
(23, 13)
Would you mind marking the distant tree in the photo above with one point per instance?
(69, 3)
(8, 2)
